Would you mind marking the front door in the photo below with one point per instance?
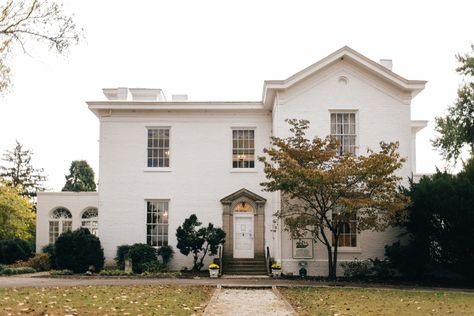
(243, 235)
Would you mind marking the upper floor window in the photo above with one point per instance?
(60, 221)
(157, 223)
(158, 147)
(243, 148)
(343, 128)
(90, 220)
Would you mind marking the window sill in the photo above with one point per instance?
(348, 250)
(243, 170)
(151, 169)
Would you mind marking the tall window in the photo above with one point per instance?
(90, 220)
(243, 148)
(343, 128)
(158, 147)
(347, 231)
(60, 221)
(157, 223)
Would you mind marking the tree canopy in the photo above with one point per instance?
(80, 177)
(322, 191)
(456, 129)
(19, 172)
(16, 214)
(25, 21)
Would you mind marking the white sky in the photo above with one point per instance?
(221, 50)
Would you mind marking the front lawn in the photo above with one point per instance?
(345, 301)
(93, 300)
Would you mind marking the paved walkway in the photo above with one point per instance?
(238, 302)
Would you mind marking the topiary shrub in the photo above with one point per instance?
(121, 255)
(78, 251)
(21, 270)
(14, 250)
(141, 254)
(166, 253)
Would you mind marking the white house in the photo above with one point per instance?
(163, 160)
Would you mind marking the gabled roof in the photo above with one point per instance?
(411, 86)
(243, 193)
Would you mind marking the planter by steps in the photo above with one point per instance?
(276, 270)
(213, 270)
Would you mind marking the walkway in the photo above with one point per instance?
(246, 301)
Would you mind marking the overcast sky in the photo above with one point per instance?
(221, 50)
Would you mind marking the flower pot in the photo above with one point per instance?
(276, 273)
(213, 273)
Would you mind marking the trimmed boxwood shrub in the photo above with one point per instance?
(122, 253)
(14, 250)
(78, 250)
(166, 253)
(141, 254)
(49, 250)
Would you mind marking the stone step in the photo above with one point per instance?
(245, 273)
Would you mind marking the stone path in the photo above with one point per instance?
(240, 302)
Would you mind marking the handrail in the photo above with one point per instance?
(221, 255)
(267, 260)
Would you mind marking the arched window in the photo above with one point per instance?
(60, 221)
(90, 220)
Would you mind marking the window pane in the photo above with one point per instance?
(343, 129)
(158, 147)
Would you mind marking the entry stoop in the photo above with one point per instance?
(239, 266)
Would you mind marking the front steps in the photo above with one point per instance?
(237, 266)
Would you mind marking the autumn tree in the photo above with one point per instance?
(17, 171)
(322, 190)
(456, 129)
(16, 214)
(26, 21)
(80, 177)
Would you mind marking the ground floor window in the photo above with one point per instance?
(157, 223)
(347, 229)
(90, 220)
(60, 221)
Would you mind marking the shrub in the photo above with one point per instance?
(78, 251)
(40, 262)
(114, 273)
(122, 254)
(166, 253)
(21, 270)
(357, 269)
(141, 254)
(49, 249)
(154, 267)
(14, 250)
(61, 272)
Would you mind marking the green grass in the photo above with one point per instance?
(111, 300)
(345, 301)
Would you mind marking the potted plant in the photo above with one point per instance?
(276, 270)
(213, 270)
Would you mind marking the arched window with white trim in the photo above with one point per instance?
(90, 220)
(60, 221)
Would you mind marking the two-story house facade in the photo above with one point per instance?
(161, 161)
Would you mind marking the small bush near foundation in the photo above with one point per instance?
(79, 251)
(21, 270)
(370, 268)
(141, 254)
(154, 267)
(51, 252)
(40, 262)
(166, 253)
(114, 273)
(121, 255)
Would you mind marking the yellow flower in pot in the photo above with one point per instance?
(213, 270)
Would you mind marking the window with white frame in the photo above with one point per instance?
(157, 223)
(347, 231)
(343, 128)
(90, 220)
(158, 149)
(60, 221)
(243, 148)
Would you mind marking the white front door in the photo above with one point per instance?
(243, 235)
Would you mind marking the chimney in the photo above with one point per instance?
(116, 94)
(179, 97)
(387, 63)
(145, 94)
